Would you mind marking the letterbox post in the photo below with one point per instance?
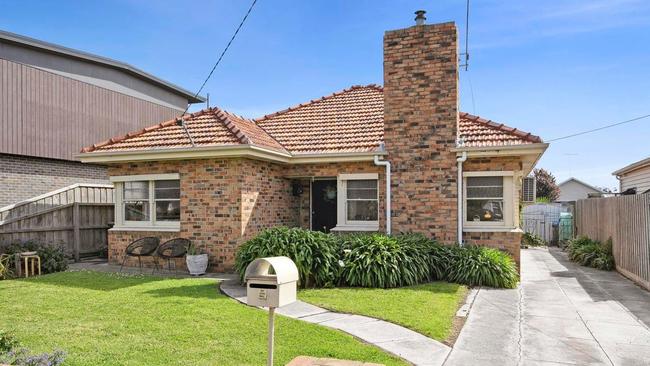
(269, 361)
(271, 283)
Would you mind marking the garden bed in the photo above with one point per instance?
(108, 319)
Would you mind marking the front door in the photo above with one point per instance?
(323, 205)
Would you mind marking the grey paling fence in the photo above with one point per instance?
(538, 219)
(625, 219)
(77, 216)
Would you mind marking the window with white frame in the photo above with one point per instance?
(488, 199)
(358, 202)
(147, 201)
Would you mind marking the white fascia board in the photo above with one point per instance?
(483, 151)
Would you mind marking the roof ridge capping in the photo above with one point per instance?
(502, 127)
(314, 101)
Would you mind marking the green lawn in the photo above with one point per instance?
(109, 319)
(428, 309)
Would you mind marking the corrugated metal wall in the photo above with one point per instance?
(48, 115)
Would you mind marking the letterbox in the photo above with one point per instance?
(271, 282)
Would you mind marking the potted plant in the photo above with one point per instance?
(197, 260)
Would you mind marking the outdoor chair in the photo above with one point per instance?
(170, 250)
(143, 247)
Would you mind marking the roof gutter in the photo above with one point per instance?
(503, 150)
(228, 151)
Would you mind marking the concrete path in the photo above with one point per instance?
(561, 314)
(407, 344)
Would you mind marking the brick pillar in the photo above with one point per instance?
(421, 120)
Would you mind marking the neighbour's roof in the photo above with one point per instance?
(89, 57)
(572, 179)
(351, 120)
(636, 165)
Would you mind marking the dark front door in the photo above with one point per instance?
(323, 205)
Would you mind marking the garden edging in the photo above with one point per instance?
(402, 342)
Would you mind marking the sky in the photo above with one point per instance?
(551, 67)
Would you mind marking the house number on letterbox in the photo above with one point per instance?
(262, 294)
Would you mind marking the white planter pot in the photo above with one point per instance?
(197, 264)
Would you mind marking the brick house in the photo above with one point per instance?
(219, 179)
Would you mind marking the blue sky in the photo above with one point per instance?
(548, 67)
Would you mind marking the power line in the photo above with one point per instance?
(180, 121)
(600, 128)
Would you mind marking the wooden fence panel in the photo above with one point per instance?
(626, 220)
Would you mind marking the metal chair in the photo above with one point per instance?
(172, 249)
(143, 247)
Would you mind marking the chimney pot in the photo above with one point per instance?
(420, 19)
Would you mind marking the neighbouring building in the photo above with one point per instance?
(573, 189)
(55, 100)
(634, 178)
(397, 158)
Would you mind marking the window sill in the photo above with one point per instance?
(373, 227)
(146, 228)
(491, 229)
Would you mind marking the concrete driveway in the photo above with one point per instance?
(561, 314)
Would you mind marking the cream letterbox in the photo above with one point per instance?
(271, 282)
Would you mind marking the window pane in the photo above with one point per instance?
(168, 210)
(362, 210)
(136, 211)
(484, 187)
(136, 190)
(167, 189)
(485, 210)
(362, 189)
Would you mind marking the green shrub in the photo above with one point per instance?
(316, 254)
(481, 266)
(532, 240)
(52, 256)
(591, 253)
(377, 260)
(7, 342)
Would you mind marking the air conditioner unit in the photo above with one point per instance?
(528, 189)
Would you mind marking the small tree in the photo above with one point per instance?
(546, 185)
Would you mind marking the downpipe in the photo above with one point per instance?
(460, 160)
(386, 164)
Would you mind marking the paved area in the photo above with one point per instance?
(312, 361)
(407, 344)
(562, 314)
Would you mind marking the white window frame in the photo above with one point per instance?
(342, 223)
(152, 224)
(509, 201)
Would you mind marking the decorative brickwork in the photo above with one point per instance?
(23, 177)
(420, 127)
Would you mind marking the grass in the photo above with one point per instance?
(109, 319)
(428, 309)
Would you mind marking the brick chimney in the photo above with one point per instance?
(420, 124)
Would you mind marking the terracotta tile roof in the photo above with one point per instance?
(209, 127)
(479, 132)
(351, 120)
(348, 121)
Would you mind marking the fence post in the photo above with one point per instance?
(18, 266)
(77, 235)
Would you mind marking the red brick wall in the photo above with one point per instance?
(508, 241)
(421, 119)
(227, 201)
(223, 203)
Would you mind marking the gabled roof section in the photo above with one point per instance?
(351, 120)
(634, 166)
(209, 127)
(576, 180)
(347, 122)
(479, 132)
